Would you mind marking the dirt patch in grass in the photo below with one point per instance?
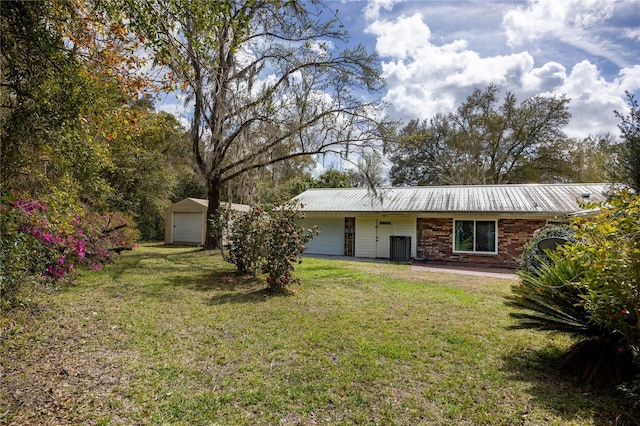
(54, 371)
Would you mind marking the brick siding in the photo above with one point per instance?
(435, 236)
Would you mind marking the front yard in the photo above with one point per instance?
(171, 336)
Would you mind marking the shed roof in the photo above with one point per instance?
(540, 199)
(205, 204)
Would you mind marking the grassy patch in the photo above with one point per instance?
(171, 336)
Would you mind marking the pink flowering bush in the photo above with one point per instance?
(38, 245)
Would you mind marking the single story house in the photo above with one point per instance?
(186, 221)
(467, 224)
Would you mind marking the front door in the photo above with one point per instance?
(384, 230)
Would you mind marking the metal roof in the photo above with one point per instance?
(506, 199)
(234, 206)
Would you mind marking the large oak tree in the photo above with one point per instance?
(267, 81)
(485, 141)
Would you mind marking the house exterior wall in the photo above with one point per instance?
(514, 234)
(435, 236)
(368, 238)
(405, 226)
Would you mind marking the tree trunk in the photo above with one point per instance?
(212, 242)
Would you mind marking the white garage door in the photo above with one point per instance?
(187, 228)
(331, 237)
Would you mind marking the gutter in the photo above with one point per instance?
(584, 213)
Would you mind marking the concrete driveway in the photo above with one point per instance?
(507, 274)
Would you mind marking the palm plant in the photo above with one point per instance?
(550, 297)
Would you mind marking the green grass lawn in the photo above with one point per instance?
(169, 335)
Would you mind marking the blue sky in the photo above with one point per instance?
(435, 53)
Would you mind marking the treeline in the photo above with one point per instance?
(275, 185)
(78, 128)
(87, 165)
(489, 140)
(77, 131)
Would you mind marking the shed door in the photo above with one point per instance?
(187, 228)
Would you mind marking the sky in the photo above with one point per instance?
(435, 53)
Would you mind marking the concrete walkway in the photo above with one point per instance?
(507, 274)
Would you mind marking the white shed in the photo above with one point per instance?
(186, 221)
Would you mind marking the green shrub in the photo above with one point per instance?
(248, 240)
(551, 297)
(590, 289)
(631, 391)
(532, 258)
(266, 240)
(285, 243)
(608, 248)
(20, 255)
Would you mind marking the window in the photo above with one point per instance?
(475, 236)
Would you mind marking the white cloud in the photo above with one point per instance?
(400, 38)
(633, 34)
(424, 78)
(630, 78)
(571, 21)
(555, 18)
(373, 8)
(594, 99)
(547, 78)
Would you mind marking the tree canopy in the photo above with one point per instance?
(77, 126)
(485, 141)
(596, 159)
(630, 129)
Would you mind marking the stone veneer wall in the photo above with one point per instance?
(435, 236)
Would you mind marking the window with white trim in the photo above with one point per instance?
(475, 236)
